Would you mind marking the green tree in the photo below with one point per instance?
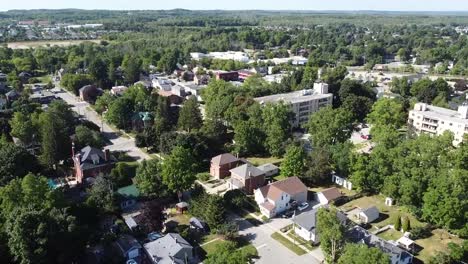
(227, 253)
(318, 168)
(248, 138)
(386, 117)
(294, 159)
(54, 139)
(330, 126)
(15, 162)
(131, 68)
(87, 137)
(331, 234)
(276, 126)
(148, 179)
(178, 172)
(120, 112)
(101, 195)
(98, 70)
(74, 82)
(22, 127)
(357, 254)
(190, 117)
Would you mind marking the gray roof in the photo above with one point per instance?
(267, 167)
(126, 243)
(88, 154)
(371, 212)
(307, 220)
(292, 97)
(168, 249)
(246, 171)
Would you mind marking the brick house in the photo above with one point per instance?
(247, 178)
(91, 162)
(90, 93)
(227, 76)
(221, 164)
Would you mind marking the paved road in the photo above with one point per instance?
(269, 250)
(118, 142)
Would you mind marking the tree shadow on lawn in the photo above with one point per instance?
(382, 217)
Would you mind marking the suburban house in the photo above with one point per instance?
(171, 248)
(128, 196)
(305, 226)
(89, 93)
(269, 169)
(397, 255)
(368, 215)
(276, 197)
(221, 164)
(201, 79)
(247, 178)
(342, 181)
(129, 248)
(91, 162)
(162, 84)
(42, 97)
(328, 195)
(118, 90)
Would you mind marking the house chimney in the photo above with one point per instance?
(106, 155)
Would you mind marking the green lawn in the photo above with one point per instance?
(280, 177)
(260, 161)
(243, 246)
(301, 241)
(390, 234)
(435, 243)
(290, 245)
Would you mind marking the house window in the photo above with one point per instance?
(450, 124)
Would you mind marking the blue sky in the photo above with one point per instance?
(393, 5)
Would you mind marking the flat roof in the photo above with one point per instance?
(443, 114)
(293, 97)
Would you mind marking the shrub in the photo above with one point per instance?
(406, 224)
(420, 232)
(203, 177)
(397, 223)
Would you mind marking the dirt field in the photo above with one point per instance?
(35, 44)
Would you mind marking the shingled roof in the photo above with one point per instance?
(246, 171)
(225, 158)
(331, 193)
(291, 186)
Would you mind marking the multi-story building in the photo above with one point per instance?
(435, 120)
(303, 103)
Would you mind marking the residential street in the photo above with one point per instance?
(270, 250)
(118, 142)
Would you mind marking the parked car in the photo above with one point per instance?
(303, 206)
(288, 214)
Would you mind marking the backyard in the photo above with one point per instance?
(430, 246)
(257, 161)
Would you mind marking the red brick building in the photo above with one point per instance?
(92, 162)
(227, 76)
(221, 164)
(247, 178)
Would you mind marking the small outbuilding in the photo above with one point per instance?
(406, 243)
(328, 195)
(369, 215)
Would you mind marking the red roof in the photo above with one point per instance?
(331, 193)
(291, 186)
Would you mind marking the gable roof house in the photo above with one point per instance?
(369, 215)
(305, 225)
(276, 197)
(247, 178)
(170, 249)
(328, 195)
(91, 162)
(128, 247)
(221, 164)
(397, 255)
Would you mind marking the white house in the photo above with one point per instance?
(368, 215)
(328, 195)
(118, 90)
(305, 226)
(276, 197)
(342, 181)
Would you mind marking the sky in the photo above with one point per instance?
(387, 5)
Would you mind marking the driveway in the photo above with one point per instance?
(270, 250)
(118, 142)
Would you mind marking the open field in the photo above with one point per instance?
(260, 161)
(45, 43)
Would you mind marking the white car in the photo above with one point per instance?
(303, 206)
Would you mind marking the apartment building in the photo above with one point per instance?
(303, 103)
(435, 120)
